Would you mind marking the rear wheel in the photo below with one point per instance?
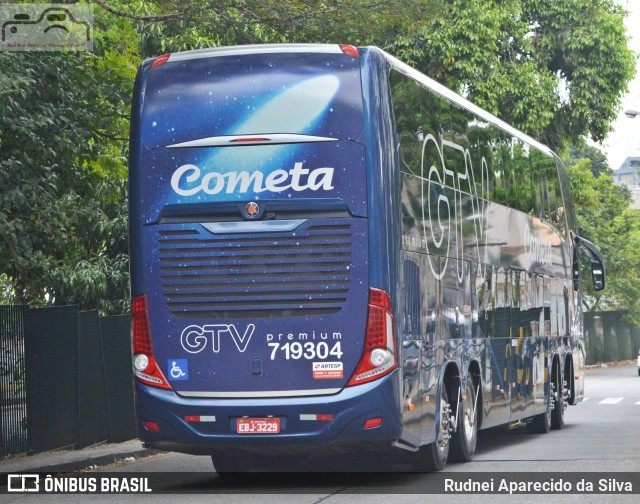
(463, 442)
(558, 399)
(229, 463)
(433, 457)
(541, 424)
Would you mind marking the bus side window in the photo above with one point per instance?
(501, 303)
(412, 301)
(418, 113)
(543, 172)
(525, 192)
(500, 163)
(569, 221)
(483, 283)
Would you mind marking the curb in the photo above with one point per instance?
(90, 462)
(98, 461)
(604, 365)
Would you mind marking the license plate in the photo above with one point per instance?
(258, 425)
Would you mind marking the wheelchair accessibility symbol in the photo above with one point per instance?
(178, 369)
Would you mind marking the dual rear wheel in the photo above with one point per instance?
(457, 445)
(553, 417)
(464, 440)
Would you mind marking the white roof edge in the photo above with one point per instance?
(454, 97)
(255, 49)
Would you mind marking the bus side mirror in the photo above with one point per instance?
(597, 262)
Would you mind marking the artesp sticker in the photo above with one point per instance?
(328, 370)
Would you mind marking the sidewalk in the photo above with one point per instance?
(599, 365)
(76, 460)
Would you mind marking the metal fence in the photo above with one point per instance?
(65, 379)
(609, 337)
(13, 406)
(116, 348)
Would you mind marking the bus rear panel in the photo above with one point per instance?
(253, 312)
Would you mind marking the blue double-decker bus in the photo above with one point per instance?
(331, 252)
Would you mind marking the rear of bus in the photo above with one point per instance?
(255, 324)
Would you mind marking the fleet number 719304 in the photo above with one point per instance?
(309, 350)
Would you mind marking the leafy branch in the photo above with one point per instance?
(137, 17)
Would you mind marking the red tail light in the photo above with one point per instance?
(145, 367)
(378, 358)
(160, 60)
(350, 50)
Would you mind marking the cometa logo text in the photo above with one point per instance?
(189, 180)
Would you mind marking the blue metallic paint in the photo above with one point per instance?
(350, 409)
(446, 326)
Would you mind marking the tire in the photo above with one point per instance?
(464, 440)
(433, 457)
(229, 464)
(541, 424)
(557, 413)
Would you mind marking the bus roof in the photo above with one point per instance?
(255, 49)
(395, 63)
(446, 93)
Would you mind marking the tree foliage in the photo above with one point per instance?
(554, 69)
(599, 163)
(606, 218)
(167, 26)
(63, 133)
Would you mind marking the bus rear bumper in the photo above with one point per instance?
(202, 426)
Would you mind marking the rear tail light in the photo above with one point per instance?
(350, 50)
(145, 367)
(160, 60)
(378, 358)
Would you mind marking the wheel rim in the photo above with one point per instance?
(547, 416)
(469, 415)
(444, 436)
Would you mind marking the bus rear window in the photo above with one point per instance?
(315, 94)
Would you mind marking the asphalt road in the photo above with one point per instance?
(600, 435)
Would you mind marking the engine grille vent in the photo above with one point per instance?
(306, 272)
